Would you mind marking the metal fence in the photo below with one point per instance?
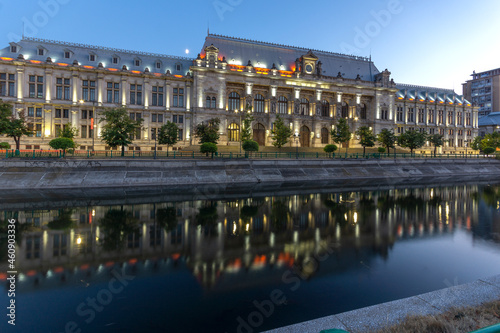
(47, 154)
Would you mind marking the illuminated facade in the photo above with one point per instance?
(58, 83)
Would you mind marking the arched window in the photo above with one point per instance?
(325, 108)
(362, 112)
(304, 107)
(233, 132)
(345, 110)
(258, 103)
(282, 105)
(207, 103)
(234, 101)
(213, 103)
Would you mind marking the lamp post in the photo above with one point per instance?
(156, 134)
(296, 137)
(466, 142)
(239, 127)
(92, 122)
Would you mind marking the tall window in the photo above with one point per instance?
(259, 102)
(362, 112)
(178, 97)
(157, 99)
(411, 115)
(234, 101)
(7, 84)
(36, 86)
(304, 107)
(460, 120)
(431, 116)
(214, 103)
(468, 118)
(440, 117)
(83, 132)
(325, 108)
(450, 117)
(88, 90)
(136, 94)
(325, 134)
(208, 102)
(282, 105)
(60, 245)
(421, 116)
(345, 110)
(234, 132)
(63, 89)
(399, 114)
(32, 248)
(384, 114)
(113, 90)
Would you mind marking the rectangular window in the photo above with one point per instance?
(92, 57)
(399, 114)
(431, 116)
(157, 98)
(63, 89)
(450, 117)
(411, 115)
(180, 133)
(136, 94)
(178, 119)
(35, 86)
(421, 116)
(38, 112)
(13, 49)
(58, 129)
(58, 113)
(33, 245)
(84, 114)
(84, 132)
(38, 130)
(66, 113)
(88, 90)
(153, 117)
(178, 97)
(113, 92)
(67, 54)
(60, 245)
(459, 118)
(153, 133)
(160, 118)
(115, 60)
(137, 63)
(31, 112)
(440, 117)
(7, 84)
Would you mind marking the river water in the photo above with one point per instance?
(241, 263)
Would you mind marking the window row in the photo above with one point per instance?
(410, 116)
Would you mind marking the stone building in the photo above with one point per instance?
(484, 91)
(58, 83)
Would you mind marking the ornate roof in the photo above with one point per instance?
(239, 51)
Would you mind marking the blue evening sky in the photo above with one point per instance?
(426, 42)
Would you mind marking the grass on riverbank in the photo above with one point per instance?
(456, 320)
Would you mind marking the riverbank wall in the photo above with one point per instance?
(93, 173)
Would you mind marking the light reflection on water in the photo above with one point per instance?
(206, 264)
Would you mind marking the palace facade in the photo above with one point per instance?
(58, 83)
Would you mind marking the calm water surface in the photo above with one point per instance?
(246, 264)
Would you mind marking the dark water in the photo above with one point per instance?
(242, 264)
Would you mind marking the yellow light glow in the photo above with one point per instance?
(247, 227)
(355, 217)
(79, 240)
(93, 212)
(47, 132)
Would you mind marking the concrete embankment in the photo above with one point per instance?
(69, 173)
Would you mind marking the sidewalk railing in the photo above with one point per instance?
(55, 154)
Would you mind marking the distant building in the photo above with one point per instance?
(484, 91)
(59, 83)
(489, 124)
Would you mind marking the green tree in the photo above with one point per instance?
(387, 139)
(208, 131)
(341, 133)
(250, 145)
(168, 134)
(476, 143)
(119, 128)
(280, 133)
(68, 131)
(366, 137)
(488, 150)
(490, 140)
(11, 126)
(62, 143)
(4, 145)
(330, 148)
(246, 130)
(437, 140)
(412, 139)
(208, 147)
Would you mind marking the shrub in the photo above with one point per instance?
(488, 150)
(330, 148)
(208, 147)
(4, 145)
(62, 143)
(250, 145)
(381, 150)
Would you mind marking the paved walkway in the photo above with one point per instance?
(386, 314)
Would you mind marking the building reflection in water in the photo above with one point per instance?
(219, 238)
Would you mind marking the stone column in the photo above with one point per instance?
(48, 85)
(124, 90)
(20, 83)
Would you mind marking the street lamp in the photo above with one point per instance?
(466, 142)
(239, 128)
(296, 136)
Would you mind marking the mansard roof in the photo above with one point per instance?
(239, 51)
(429, 94)
(81, 52)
